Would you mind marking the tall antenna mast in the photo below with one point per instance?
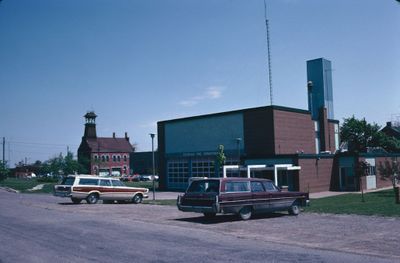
(269, 55)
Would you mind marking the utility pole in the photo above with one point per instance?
(4, 149)
(154, 170)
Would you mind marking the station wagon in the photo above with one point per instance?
(242, 196)
(94, 188)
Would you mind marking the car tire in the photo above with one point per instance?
(92, 199)
(294, 209)
(209, 215)
(245, 212)
(76, 200)
(137, 199)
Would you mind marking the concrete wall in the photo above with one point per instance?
(204, 134)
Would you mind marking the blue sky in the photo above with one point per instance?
(136, 62)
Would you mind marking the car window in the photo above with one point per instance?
(257, 187)
(237, 187)
(87, 181)
(202, 186)
(68, 181)
(105, 182)
(117, 183)
(270, 187)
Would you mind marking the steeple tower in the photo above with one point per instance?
(90, 125)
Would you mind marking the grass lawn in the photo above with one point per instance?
(23, 185)
(380, 203)
(145, 184)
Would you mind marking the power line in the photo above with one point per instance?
(46, 144)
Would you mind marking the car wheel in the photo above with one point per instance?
(75, 200)
(137, 199)
(92, 199)
(294, 209)
(209, 215)
(245, 213)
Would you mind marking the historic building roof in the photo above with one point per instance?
(109, 145)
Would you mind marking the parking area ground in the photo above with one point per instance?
(42, 226)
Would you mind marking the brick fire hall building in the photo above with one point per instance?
(104, 156)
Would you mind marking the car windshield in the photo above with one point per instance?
(203, 186)
(68, 180)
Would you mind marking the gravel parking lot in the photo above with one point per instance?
(374, 237)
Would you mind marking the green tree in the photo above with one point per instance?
(220, 158)
(60, 165)
(4, 171)
(70, 166)
(389, 170)
(359, 134)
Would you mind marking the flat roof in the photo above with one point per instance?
(273, 107)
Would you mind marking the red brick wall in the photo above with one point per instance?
(315, 175)
(294, 132)
(379, 181)
(111, 164)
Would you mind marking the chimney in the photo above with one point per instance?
(389, 124)
(114, 135)
(126, 136)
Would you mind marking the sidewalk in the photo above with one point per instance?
(330, 193)
(326, 194)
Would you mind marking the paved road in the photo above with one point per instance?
(43, 228)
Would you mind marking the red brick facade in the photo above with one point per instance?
(315, 174)
(294, 133)
(113, 163)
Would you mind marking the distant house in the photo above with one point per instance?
(25, 171)
(105, 156)
(392, 130)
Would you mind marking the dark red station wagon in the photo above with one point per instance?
(242, 196)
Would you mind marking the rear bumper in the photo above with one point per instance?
(197, 209)
(62, 194)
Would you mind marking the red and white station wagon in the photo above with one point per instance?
(242, 196)
(94, 188)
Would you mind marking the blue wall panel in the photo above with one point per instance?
(204, 134)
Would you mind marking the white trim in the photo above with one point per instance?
(225, 167)
(274, 168)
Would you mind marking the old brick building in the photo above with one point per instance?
(104, 156)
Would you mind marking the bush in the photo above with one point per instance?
(47, 180)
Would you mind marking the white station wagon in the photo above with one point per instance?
(94, 188)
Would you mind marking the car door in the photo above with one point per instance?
(259, 196)
(274, 196)
(106, 189)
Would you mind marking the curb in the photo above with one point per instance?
(8, 189)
